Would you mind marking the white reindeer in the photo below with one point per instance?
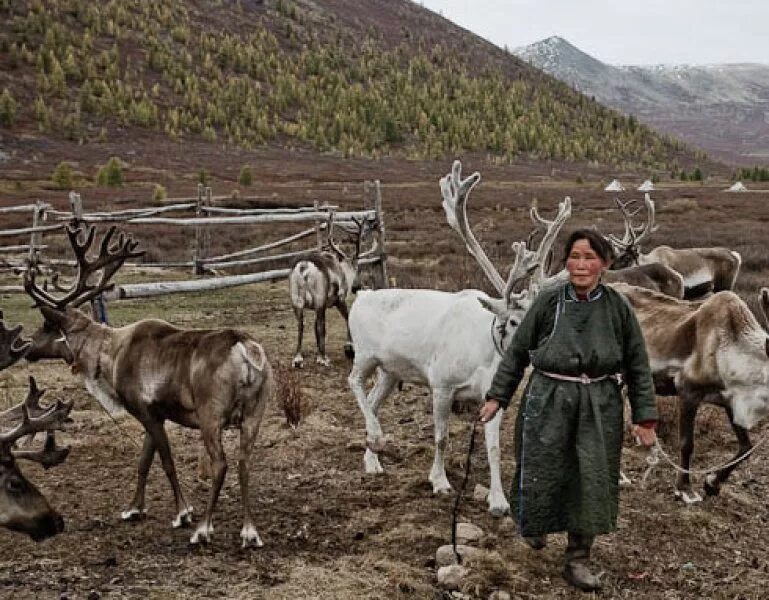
(451, 342)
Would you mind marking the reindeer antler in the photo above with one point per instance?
(551, 229)
(12, 346)
(455, 192)
(110, 258)
(634, 235)
(34, 417)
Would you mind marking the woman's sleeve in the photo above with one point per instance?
(643, 402)
(516, 358)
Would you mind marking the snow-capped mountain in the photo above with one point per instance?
(723, 109)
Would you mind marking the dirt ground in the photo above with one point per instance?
(331, 531)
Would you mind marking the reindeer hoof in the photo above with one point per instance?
(688, 498)
(250, 537)
(133, 514)
(323, 361)
(202, 534)
(183, 519)
(711, 487)
(298, 362)
(371, 463)
(349, 351)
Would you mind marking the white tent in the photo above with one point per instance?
(646, 186)
(614, 186)
(738, 187)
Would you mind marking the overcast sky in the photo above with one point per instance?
(631, 32)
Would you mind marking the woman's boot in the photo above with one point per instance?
(576, 569)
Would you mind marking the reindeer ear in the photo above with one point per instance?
(494, 306)
(765, 301)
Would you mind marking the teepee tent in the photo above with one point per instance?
(614, 186)
(738, 187)
(646, 186)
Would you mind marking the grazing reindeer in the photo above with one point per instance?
(703, 270)
(22, 507)
(652, 276)
(323, 280)
(451, 342)
(206, 379)
(712, 351)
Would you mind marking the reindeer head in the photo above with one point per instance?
(628, 249)
(349, 263)
(62, 319)
(527, 264)
(22, 507)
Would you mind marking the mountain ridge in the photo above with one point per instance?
(722, 108)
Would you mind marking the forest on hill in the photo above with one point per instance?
(356, 78)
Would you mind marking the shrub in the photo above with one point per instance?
(245, 178)
(7, 108)
(63, 176)
(203, 176)
(158, 193)
(111, 174)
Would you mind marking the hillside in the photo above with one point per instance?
(367, 78)
(720, 108)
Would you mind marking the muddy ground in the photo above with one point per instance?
(331, 531)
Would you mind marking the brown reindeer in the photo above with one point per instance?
(653, 276)
(22, 507)
(703, 270)
(712, 351)
(207, 379)
(321, 281)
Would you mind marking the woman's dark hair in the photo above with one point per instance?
(597, 242)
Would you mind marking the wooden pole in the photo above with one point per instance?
(35, 238)
(197, 268)
(381, 226)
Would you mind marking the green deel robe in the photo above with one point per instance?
(569, 435)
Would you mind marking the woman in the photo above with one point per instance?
(583, 340)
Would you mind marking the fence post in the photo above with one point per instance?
(381, 226)
(197, 251)
(35, 238)
(372, 198)
(76, 206)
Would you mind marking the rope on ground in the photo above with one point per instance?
(461, 491)
(657, 451)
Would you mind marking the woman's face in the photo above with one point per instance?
(584, 266)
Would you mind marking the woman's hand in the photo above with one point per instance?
(488, 410)
(645, 435)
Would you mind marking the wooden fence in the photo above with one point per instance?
(45, 220)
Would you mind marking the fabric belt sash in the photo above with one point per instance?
(583, 378)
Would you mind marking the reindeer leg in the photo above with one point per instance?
(441, 410)
(369, 405)
(211, 432)
(341, 306)
(135, 510)
(320, 337)
(713, 481)
(248, 433)
(688, 412)
(298, 361)
(160, 439)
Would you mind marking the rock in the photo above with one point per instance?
(507, 526)
(444, 556)
(480, 493)
(450, 577)
(499, 595)
(467, 533)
